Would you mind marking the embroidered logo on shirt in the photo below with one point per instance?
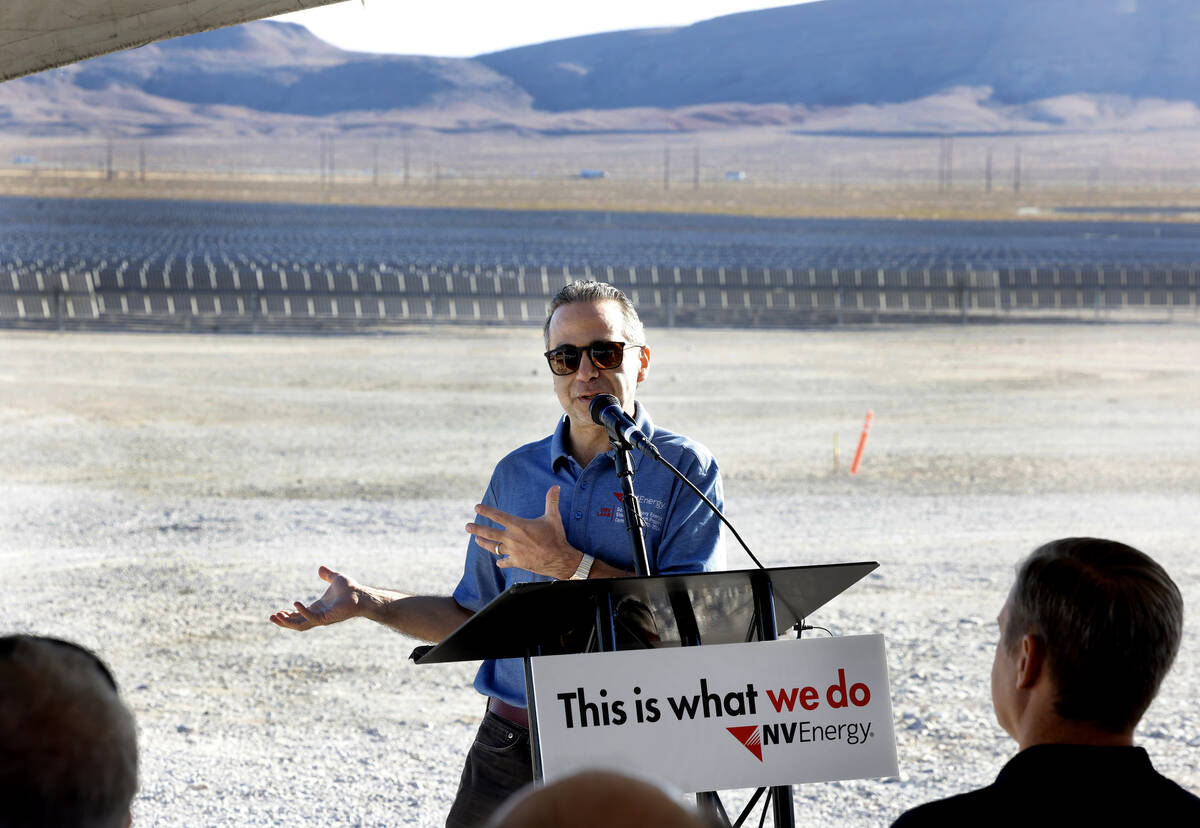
(652, 510)
(613, 513)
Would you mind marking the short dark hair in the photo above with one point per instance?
(593, 291)
(68, 744)
(1110, 619)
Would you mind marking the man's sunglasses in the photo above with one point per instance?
(605, 355)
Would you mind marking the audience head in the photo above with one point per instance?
(596, 799)
(68, 744)
(1109, 620)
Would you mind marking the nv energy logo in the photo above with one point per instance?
(651, 508)
(754, 737)
(751, 736)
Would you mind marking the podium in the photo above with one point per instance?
(657, 611)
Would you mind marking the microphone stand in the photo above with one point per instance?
(764, 607)
(633, 510)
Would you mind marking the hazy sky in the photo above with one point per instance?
(464, 28)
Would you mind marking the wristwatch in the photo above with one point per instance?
(585, 567)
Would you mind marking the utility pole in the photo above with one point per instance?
(949, 162)
(942, 164)
(327, 160)
(945, 163)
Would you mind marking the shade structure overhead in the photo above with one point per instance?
(42, 34)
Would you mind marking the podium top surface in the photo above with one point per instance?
(558, 617)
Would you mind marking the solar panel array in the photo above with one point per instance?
(180, 293)
(269, 266)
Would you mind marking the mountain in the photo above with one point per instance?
(834, 65)
(844, 52)
(281, 68)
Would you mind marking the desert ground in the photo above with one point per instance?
(161, 496)
(762, 170)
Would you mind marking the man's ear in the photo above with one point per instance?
(1030, 660)
(644, 362)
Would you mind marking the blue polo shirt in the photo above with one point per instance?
(682, 534)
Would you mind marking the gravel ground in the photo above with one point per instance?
(161, 496)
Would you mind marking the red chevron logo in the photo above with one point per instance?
(750, 736)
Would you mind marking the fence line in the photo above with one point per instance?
(171, 293)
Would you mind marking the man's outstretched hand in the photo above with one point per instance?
(340, 601)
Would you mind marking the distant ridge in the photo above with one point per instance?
(844, 52)
(853, 67)
(282, 68)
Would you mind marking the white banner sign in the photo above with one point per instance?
(723, 716)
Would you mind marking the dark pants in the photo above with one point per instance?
(498, 764)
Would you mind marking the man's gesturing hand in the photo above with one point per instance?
(339, 602)
(538, 545)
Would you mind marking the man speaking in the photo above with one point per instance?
(550, 513)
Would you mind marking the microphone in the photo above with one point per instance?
(606, 411)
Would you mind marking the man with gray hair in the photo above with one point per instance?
(1089, 631)
(68, 744)
(550, 512)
